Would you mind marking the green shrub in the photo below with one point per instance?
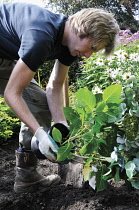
(9, 123)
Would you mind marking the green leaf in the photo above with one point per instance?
(137, 154)
(86, 171)
(101, 141)
(56, 135)
(112, 119)
(101, 110)
(135, 184)
(89, 161)
(130, 167)
(89, 147)
(112, 94)
(75, 126)
(101, 106)
(107, 149)
(101, 184)
(99, 120)
(98, 97)
(136, 161)
(86, 98)
(96, 128)
(65, 152)
(87, 136)
(112, 113)
(70, 114)
(83, 113)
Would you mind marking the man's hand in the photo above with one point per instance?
(47, 145)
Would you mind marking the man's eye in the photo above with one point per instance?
(93, 48)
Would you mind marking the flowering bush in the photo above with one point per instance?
(101, 71)
(127, 37)
(105, 127)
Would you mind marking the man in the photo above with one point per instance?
(32, 35)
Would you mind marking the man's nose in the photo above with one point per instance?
(88, 54)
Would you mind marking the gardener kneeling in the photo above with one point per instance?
(44, 36)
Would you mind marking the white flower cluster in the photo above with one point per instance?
(96, 90)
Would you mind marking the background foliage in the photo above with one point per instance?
(124, 10)
(9, 124)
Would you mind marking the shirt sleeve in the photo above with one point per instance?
(35, 48)
(66, 58)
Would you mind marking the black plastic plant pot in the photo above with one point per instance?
(63, 130)
(65, 135)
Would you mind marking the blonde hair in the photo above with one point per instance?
(96, 24)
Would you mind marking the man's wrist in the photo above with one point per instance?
(64, 123)
(39, 133)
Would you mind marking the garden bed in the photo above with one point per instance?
(60, 197)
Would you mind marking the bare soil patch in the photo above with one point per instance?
(60, 197)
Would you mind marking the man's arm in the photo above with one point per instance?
(54, 91)
(19, 80)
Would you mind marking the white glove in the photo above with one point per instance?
(47, 145)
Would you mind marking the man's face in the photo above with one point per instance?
(80, 47)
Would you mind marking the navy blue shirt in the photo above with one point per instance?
(32, 33)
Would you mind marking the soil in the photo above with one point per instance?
(61, 196)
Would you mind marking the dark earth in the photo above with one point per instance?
(60, 197)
